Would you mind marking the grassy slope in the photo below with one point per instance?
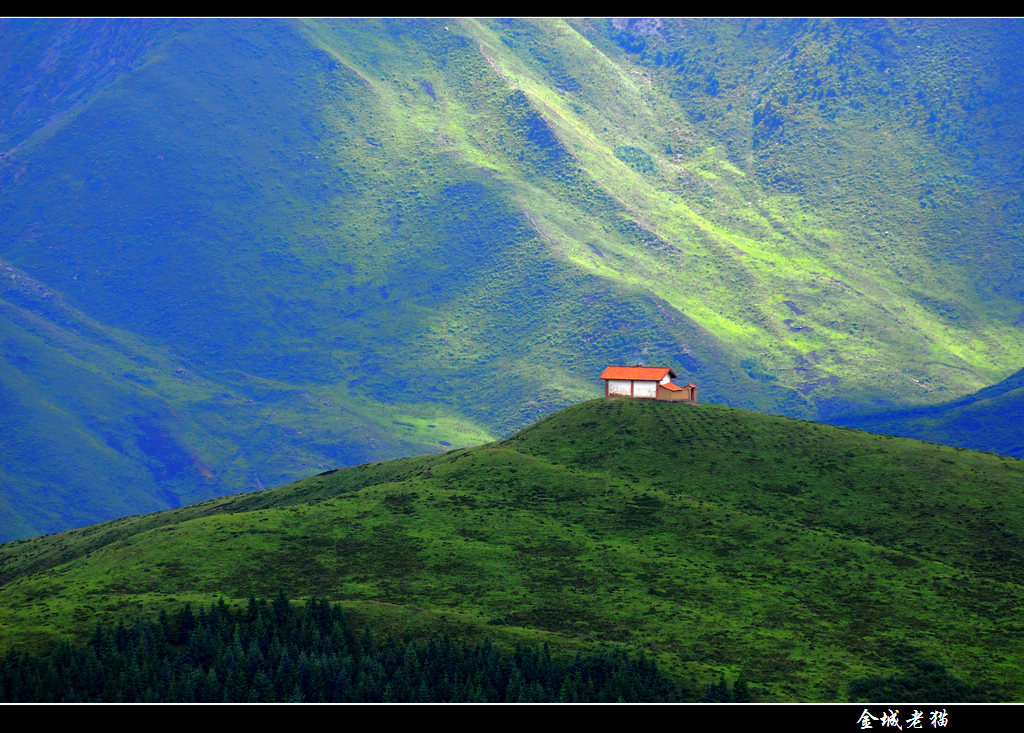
(720, 540)
(358, 233)
(109, 404)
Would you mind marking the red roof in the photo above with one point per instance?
(642, 373)
(671, 387)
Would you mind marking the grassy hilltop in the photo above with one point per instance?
(719, 540)
(235, 253)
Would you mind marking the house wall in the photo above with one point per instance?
(645, 389)
(686, 394)
(640, 389)
(665, 396)
(619, 387)
(632, 388)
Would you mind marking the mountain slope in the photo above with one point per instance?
(357, 233)
(986, 420)
(800, 554)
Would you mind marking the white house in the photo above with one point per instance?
(643, 382)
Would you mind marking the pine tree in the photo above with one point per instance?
(514, 691)
(186, 622)
(281, 609)
(741, 691)
(717, 691)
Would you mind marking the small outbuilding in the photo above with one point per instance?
(645, 383)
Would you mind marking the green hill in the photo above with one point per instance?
(801, 555)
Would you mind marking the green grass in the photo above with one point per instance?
(718, 540)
